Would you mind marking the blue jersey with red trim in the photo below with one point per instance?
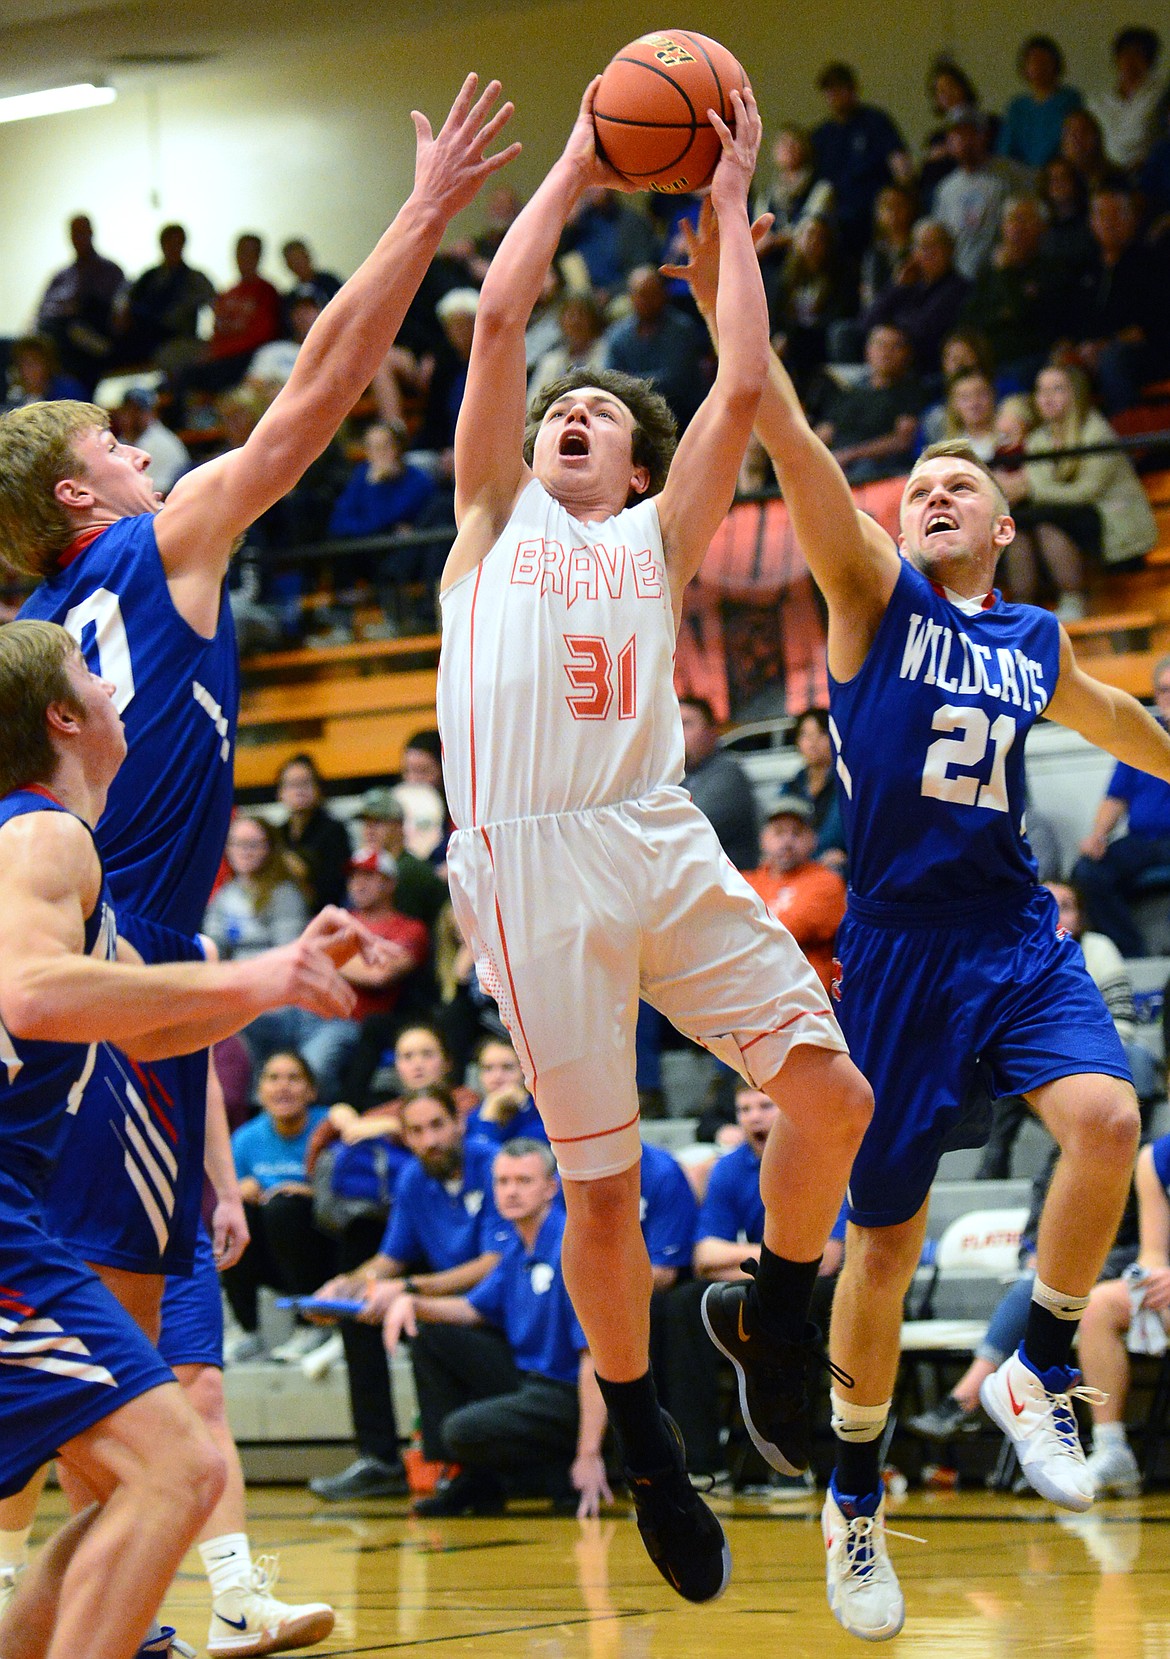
(39, 1080)
(929, 745)
(163, 831)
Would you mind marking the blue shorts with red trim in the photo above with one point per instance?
(1001, 995)
(192, 1313)
(129, 1181)
(69, 1355)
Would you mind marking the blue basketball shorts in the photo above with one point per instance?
(1002, 998)
(192, 1313)
(69, 1355)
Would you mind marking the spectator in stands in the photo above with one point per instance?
(518, 1399)
(443, 1238)
(948, 88)
(1125, 1316)
(894, 217)
(34, 373)
(581, 344)
(800, 892)
(422, 759)
(420, 1059)
(812, 291)
(1117, 316)
(419, 892)
(384, 491)
(1154, 180)
(1015, 300)
(970, 412)
(262, 904)
(857, 150)
(312, 833)
(303, 267)
(1108, 873)
(816, 782)
(502, 206)
(286, 1252)
(273, 363)
(1032, 122)
(611, 238)
(1104, 961)
(507, 1109)
(719, 785)
(1068, 241)
(160, 311)
(456, 313)
(925, 297)
(1082, 145)
(659, 343)
(247, 316)
(970, 200)
(77, 310)
(1079, 507)
(794, 195)
(871, 427)
(1127, 111)
(136, 422)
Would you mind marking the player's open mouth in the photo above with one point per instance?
(573, 443)
(940, 521)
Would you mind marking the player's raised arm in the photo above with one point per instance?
(489, 438)
(1112, 719)
(701, 485)
(853, 560)
(210, 507)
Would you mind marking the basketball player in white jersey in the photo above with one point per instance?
(579, 868)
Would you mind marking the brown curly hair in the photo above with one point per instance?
(655, 428)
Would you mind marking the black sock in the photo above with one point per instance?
(859, 1468)
(1048, 1340)
(636, 1418)
(783, 1294)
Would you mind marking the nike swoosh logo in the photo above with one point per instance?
(743, 1336)
(1018, 1410)
(236, 1624)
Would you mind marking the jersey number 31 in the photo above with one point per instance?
(591, 674)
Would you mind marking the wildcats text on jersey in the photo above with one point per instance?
(968, 668)
(578, 572)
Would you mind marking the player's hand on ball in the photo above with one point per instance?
(581, 150)
(451, 165)
(737, 163)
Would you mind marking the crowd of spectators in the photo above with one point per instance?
(1025, 233)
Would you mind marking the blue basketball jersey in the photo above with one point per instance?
(929, 745)
(163, 831)
(40, 1080)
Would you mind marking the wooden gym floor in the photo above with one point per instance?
(998, 1577)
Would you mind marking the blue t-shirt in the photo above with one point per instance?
(436, 1226)
(733, 1208)
(272, 1158)
(162, 833)
(42, 1082)
(525, 1297)
(1031, 130)
(526, 1124)
(668, 1209)
(1147, 800)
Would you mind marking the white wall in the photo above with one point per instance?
(317, 139)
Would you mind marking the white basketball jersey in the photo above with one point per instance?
(556, 682)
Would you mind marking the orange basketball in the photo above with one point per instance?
(650, 113)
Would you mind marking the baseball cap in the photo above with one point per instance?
(381, 802)
(787, 805)
(374, 862)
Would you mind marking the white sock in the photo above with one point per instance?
(227, 1560)
(14, 1548)
(1059, 1303)
(1109, 1434)
(857, 1423)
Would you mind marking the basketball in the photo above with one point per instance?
(650, 112)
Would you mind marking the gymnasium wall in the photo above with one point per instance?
(317, 138)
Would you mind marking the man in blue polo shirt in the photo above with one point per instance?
(1108, 872)
(859, 150)
(443, 1226)
(506, 1386)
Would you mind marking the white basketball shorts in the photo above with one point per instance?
(574, 916)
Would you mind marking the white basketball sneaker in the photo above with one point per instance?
(865, 1597)
(1114, 1473)
(1035, 1410)
(247, 1618)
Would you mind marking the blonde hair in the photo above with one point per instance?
(37, 450)
(958, 449)
(1066, 433)
(32, 676)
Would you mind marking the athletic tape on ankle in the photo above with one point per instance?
(857, 1423)
(1058, 1302)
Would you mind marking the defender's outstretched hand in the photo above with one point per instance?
(741, 146)
(451, 166)
(702, 244)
